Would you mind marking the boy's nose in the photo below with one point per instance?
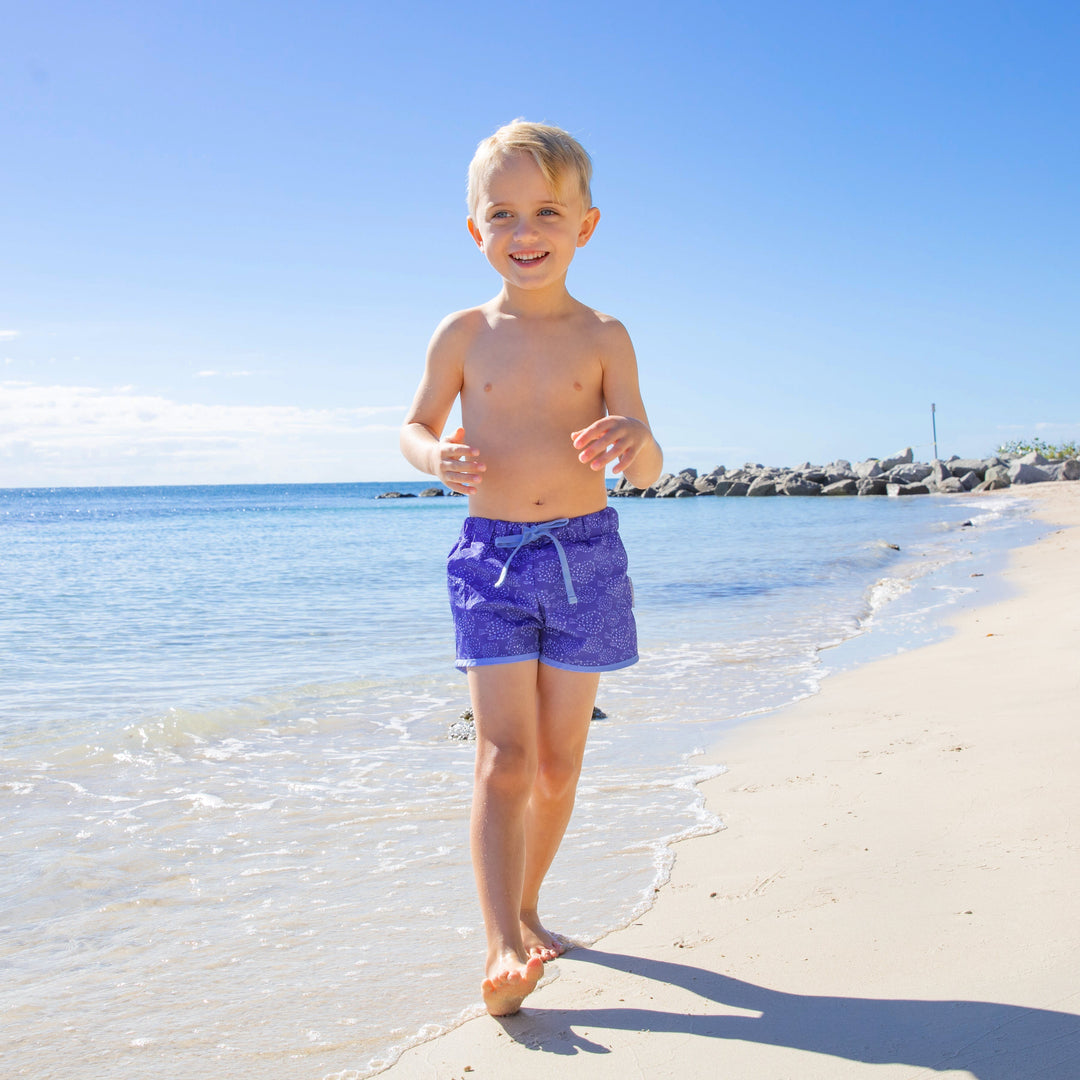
(524, 228)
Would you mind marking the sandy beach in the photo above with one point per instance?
(895, 893)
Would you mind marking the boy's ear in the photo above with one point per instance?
(474, 232)
(588, 226)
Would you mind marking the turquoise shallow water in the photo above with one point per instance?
(233, 827)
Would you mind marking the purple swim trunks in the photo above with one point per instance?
(554, 591)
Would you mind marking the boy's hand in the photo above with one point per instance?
(458, 465)
(609, 438)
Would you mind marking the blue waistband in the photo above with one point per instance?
(601, 523)
(516, 534)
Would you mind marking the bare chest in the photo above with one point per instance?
(560, 374)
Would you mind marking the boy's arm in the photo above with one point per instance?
(456, 464)
(623, 434)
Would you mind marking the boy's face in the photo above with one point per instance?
(528, 232)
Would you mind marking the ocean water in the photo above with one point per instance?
(232, 824)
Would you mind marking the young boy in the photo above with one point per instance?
(538, 586)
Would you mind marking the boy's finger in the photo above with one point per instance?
(462, 469)
(591, 454)
(601, 461)
(594, 431)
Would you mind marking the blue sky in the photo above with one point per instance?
(227, 229)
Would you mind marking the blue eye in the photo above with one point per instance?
(500, 214)
(548, 210)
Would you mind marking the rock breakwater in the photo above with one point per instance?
(898, 475)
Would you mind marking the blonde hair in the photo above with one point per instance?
(558, 154)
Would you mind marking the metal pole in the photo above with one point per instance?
(933, 420)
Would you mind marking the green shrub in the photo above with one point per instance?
(1050, 451)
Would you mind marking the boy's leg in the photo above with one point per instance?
(504, 700)
(565, 702)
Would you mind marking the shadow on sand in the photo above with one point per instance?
(991, 1041)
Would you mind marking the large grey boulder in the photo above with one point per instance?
(1022, 472)
(1070, 470)
(795, 485)
(1033, 458)
(990, 485)
(850, 486)
(966, 465)
(870, 467)
(667, 482)
(738, 487)
(939, 471)
(675, 488)
(911, 473)
(872, 485)
(998, 472)
(953, 485)
(906, 489)
(622, 488)
(741, 475)
(905, 457)
(706, 485)
(669, 485)
(763, 485)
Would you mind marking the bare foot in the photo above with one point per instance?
(537, 940)
(511, 983)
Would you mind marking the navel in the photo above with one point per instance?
(487, 388)
(577, 385)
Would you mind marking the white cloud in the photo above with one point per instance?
(7, 335)
(1044, 426)
(89, 435)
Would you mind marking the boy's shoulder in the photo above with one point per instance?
(456, 333)
(608, 332)
(606, 324)
(592, 319)
(467, 321)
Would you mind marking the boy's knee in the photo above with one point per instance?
(509, 768)
(558, 776)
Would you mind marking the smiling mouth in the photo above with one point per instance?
(529, 258)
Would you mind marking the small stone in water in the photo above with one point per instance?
(463, 729)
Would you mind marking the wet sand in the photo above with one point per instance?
(895, 893)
